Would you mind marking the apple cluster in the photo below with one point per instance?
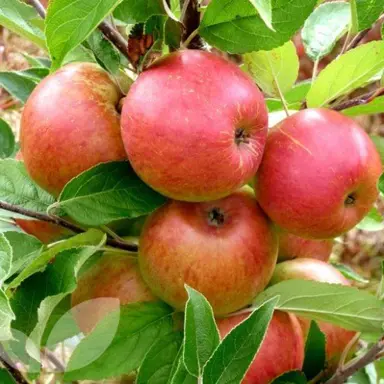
(241, 197)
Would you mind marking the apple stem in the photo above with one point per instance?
(189, 39)
(190, 18)
(314, 73)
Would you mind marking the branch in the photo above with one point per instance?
(361, 100)
(356, 40)
(353, 366)
(65, 224)
(112, 34)
(190, 18)
(15, 373)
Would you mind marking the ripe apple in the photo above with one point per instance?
(113, 280)
(292, 247)
(319, 174)
(225, 249)
(194, 126)
(70, 124)
(337, 338)
(281, 351)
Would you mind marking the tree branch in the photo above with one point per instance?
(361, 100)
(353, 366)
(65, 224)
(9, 366)
(39, 7)
(190, 18)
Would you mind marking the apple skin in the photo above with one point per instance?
(113, 276)
(180, 120)
(281, 351)
(229, 259)
(70, 124)
(292, 247)
(337, 338)
(319, 174)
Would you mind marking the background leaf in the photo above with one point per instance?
(5, 377)
(138, 11)
(326, 24)
(293, 377)
(372, 222)
(6, 317)
(368, 11)
(235, 26)
(348, 72)
(108, 192)
(349, 273)
(371, 108)
(17, 84)
(264, 8)
(347, 307)
(201, 334)
(236, 352)
(273, 69)
(5, 258)
(68, 23)
(7, 139)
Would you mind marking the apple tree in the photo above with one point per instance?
(182, 171)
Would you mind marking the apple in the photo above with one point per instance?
(194, 126)
(319, 174)
(282, 349)
(337, 338)
(111, 281)
(226, 249)
(292, 247)
(69, 124)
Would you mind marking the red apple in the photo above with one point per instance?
(194, 126)
(282, 349)
(113, 280)
(70, 124)
(319, 174)
(292, 247)
(337, 338)
(225, 249)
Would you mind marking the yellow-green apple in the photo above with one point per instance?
(194, 126)
(226, 249)
(70, 124)
(337, 338)
(282, 349)
(111, 281)
(319, 174)
(292, 247)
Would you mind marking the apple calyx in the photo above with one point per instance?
(241, 136)
(350, 199)
(216, 217)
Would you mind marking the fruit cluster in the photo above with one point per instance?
(195, 128)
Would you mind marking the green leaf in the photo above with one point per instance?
(324, 27)
(35, 74)
(348, 72)
(158, 362)
(372, 222)
(17, 188)
(379, 144)
(5, 377)
(37, 61)
(108, 192)
(235, 25)
(349, 273)
(180, 375)
(347, 307)
(381, 183)
(18, 85)
(138, 11)
(25, 249)
(380, 290)
(264, 8)
(107, 352)
(6, 317)
(236, 352)
(292, 377)
(7, 140)
(314, 361)
(19, 18)
(374, 107)
(275, 69)
(89, 238)
(200, 330)
(6, 254)
(68, 23)
(105, 53)
(368, 11)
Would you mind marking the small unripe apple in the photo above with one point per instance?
(114, 280)
(337, 338)
(226, 249)
(194, 126)
(292, 247)
(282, 349)
(70, 124)
(319, 174)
